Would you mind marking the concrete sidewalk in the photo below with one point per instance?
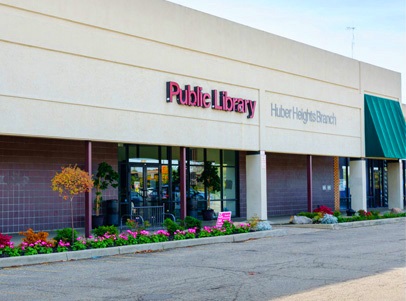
(389, 285)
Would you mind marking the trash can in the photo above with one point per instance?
(112, 212)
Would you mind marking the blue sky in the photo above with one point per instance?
(380, 26)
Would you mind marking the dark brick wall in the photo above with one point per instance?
(27, 166)
(287, 183)
(323, 175)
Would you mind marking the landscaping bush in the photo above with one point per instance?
(31, 237)
(191, 222)
(262, 225)
(66, 235)
(184, 234)
(324, 209)
(100, 231)
(172, 226)
(307, 214)
(329, 219)
(253, 221)
(364, 213)
(5, 240)
(229, 228)
(141, 237)
(136, 224)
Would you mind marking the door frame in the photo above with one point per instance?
(144, 189)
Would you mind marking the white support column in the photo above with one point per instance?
(395, 192)
(256, 185)
(358, 184)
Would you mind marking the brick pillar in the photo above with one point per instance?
(309, 183)
(88, 195)
(336, 184)
(182, 177)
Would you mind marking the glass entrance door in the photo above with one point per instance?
(145, 184)
(377, 187)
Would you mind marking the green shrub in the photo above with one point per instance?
(136, 225)
(337, 213)
(66, 235)
(191, 222)
(392, 215)
(311, 215)
(172, 226)
(229, 228)
(100, 231)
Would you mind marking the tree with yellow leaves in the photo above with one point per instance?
(70, 182)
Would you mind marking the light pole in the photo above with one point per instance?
(353, 40)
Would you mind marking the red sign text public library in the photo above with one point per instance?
(217, 100)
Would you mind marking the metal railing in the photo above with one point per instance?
(345, 203)
(154, 215)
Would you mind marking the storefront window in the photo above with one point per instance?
(213, 155)
(377, 185)
(404, 182)
(229, 174)
(345, 197)
(122, 157)
(149, 154)
(229, 158)
(153, 178)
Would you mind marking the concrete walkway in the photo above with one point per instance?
(389, 285)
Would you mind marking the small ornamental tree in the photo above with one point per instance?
(210, 179)
(106, 176)
(70, 182)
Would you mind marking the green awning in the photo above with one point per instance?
(385, 128)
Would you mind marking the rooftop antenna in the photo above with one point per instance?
(353, 40)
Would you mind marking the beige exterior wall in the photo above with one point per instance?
(96, 70)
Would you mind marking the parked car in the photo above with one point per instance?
(136, 199)
(195, 194)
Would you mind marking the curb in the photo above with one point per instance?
(350, 224)
(96, 253)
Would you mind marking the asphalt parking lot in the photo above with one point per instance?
(307, 264)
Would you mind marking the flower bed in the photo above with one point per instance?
(129, 237)
(324, 215)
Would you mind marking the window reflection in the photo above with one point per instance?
(153, 177)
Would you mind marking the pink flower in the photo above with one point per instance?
(162, 232)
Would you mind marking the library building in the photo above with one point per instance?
(157, 90)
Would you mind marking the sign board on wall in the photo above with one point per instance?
(216, 100)
(312, 116)
(303, 115)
